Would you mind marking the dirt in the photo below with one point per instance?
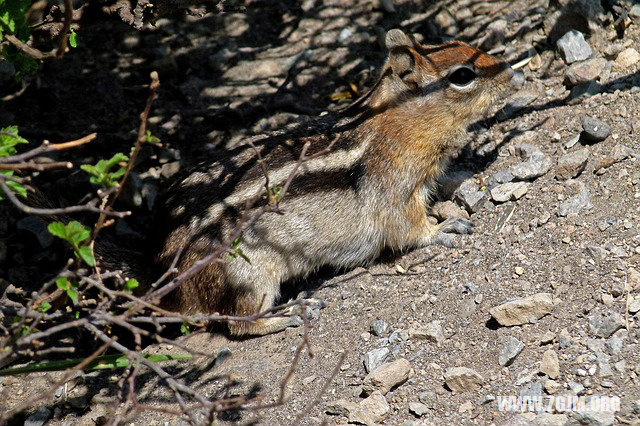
(227, 76)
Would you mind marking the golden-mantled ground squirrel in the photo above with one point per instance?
(370, 191)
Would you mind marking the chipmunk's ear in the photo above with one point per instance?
(401, 59)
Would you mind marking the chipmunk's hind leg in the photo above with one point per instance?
(453, 225)
(251, 303)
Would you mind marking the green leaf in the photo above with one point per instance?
(77, 232)
(57, 229)
(13, 186)
(73, 295)
(151, 138)
(44, 306)
(63, 284)
(73, 39)
(101, 172)
(85, 253)
(131, 284)
(185, 329)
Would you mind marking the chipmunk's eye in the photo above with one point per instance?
(462, 76)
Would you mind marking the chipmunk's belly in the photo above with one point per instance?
(335, 231)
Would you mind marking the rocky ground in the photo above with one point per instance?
(543, 299)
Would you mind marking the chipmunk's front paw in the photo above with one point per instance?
(309, 308)
(453, 225)
(457, 225)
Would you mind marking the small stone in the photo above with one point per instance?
(614, 344)
(607, 299)
(379, 328)
(551, 386)
(448, 209)
(582, 72)
(549, 419)
(398, 336)
(340, 407)
(503, 176)
(510, 351)
(387, 376)
(634, 305)
(626, 59)
(524, 310)
(509, 191)
(38, 418)
(461, 379)
(576, 388)
(572, 164)
(431, 332)
(519, 270)
(550, 364)
(583, 91)
(370, 410)
(635, 11)
(418, 409)
(575, 204)
(594, 130)
(170, 169)
(603, 325)
(573, 47)
(547, 338)
(531, 169)
(374, 359)
(468, 195)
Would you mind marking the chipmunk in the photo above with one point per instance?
(371, 190)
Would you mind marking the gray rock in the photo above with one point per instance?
(379, 328)
(614, 344)
(461, 379)
(398, 336)
(503, 176)
(38, 228)
(524, 310)
(582, 72)
(576, 388)
(592, 418)
(38, 418)
(594, 130)
(635, 11)
(573, 47)
(387, 376)
(575, 204)
(374, 359)
(418, 409)
(509, 191)
(340, 407)
(550, 364)
(572, 164)
(533, 389)
(603, 325)
(583, 91)
(468, 195)
(536, 166)
(431, 332)
(510, 351)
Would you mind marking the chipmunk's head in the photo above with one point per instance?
(452, 79)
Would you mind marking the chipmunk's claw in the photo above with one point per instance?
(457, 225)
